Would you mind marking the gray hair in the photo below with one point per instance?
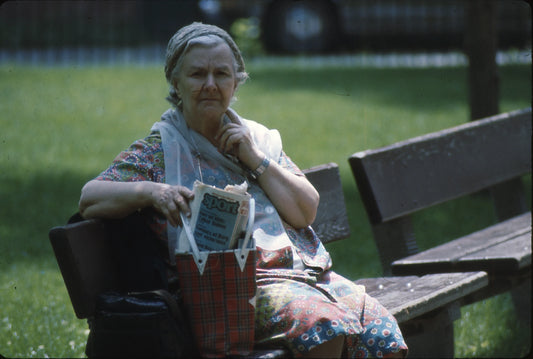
(194, 35)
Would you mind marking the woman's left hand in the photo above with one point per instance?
(235, 138)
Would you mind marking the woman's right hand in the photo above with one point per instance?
(171, 200)
(110, 199)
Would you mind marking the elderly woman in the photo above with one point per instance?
(301, 303)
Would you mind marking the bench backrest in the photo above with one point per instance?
(84, 253)
(331, 222)
(398, 180)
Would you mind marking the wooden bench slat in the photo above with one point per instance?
(331, 222)
(504, 248)
(378, 286)
(511, 256)
(400, 179)
(412, 296)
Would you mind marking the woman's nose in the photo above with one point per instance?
(210, 81)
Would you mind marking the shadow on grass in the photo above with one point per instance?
(31, 206)
(430, 89)
(387, 85)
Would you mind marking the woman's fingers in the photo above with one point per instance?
(231, 137)
(232, 115)
(222, 137)
(230, 142)
(171, 200)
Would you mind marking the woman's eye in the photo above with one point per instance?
(223, 74)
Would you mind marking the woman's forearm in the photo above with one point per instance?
(294, 197)
(108, 199)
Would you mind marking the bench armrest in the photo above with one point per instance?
(84, 257)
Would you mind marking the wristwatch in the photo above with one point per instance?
(261, 168)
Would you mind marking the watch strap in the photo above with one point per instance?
(261, 168)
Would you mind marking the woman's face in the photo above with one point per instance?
(206, 84)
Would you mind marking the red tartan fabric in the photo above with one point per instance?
(218, 303)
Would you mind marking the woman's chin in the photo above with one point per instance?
(213, 111)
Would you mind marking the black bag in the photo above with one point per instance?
(142, 324)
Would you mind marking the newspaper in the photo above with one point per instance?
(219, 216)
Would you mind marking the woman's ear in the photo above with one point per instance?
(176, 88)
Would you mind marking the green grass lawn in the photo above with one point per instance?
(61, 126)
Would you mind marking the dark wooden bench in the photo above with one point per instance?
(490, 154)
(421, 304)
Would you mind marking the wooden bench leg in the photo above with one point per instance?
(431, 335)
(522, 302)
